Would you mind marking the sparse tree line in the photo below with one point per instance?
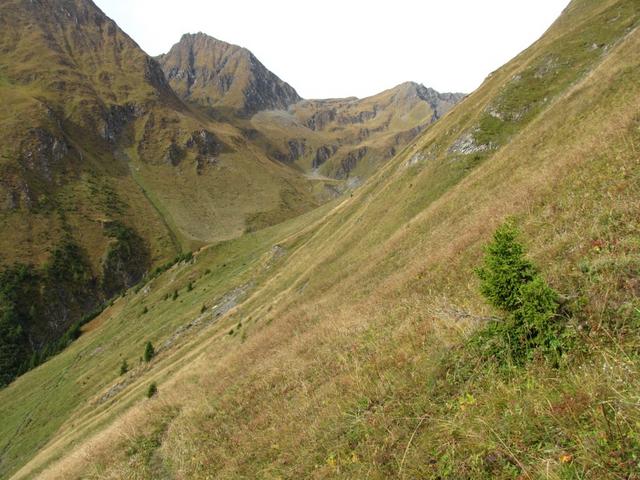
(147, 356)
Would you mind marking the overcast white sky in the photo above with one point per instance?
(339, 48)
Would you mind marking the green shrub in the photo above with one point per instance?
(203, 309)
(505, 269)
(532, 323)
(149, 352)
(541, 325)
(152, 390)
(175, 295)
(124, 366)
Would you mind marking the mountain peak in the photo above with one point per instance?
(201, 40)
(415, 88)
(217, 74)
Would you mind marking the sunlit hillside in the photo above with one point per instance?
(353, 341)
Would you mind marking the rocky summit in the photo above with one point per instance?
(213, 73)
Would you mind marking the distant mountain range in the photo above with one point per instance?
(337, 138)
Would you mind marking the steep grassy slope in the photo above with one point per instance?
(340, 348)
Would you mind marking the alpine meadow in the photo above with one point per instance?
(204, 275)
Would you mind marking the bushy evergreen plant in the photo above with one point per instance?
(510, 282)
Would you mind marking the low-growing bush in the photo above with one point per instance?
(124, 367)
(152, 390)
(149, 352)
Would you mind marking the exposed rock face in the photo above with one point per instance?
(174, 154)
(323, 154)
(441, 103)
(42, 152)
(213, 73)
(297, 149)
(15, 196)
(466, 145)
(207, 146)
(114, 121)
(350, 161)
(319, 119)
(204, 142)
(403, 138)
(359, 117)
